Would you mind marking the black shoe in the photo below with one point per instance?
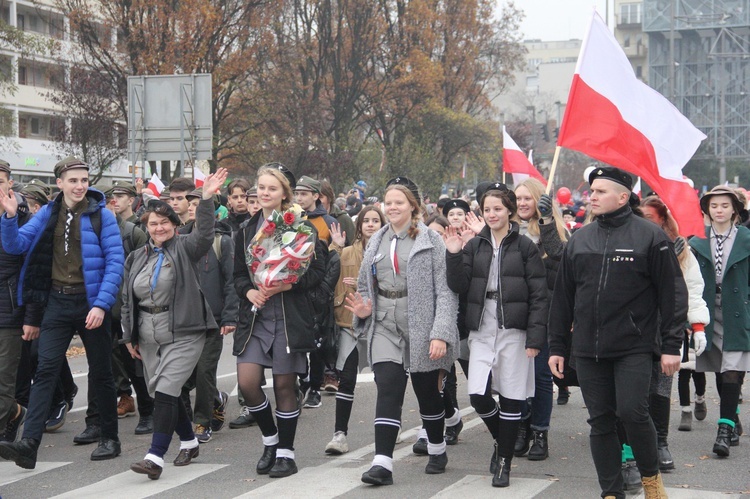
(539, 450)
(494, 459)
(631, 477)
(666, 463)
(313, 400)
(501, 478)
(56, 418)
(244, 420)
(185, 456)
(452, 432)
(145, 425)
(724, 434)
(267, 460)
(282, 467)
(13, 427)
(420, 447)
(523, 441)
(377, 475)
(90, 435)
(734, 438)
(563, 395)
(437, 463)
(738, 425)
(147, 467)
(23, 452)
(107, 449)
(72, 397)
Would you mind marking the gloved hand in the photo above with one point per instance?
(545, 205)
(679, 246)
(699, 340)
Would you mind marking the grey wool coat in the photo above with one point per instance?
(433, 307)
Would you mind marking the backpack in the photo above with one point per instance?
(217, 246)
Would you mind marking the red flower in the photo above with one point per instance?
(288, 218)
(254, 266)
(290, 280)
(269, 228)
(293, 265)
(259, 251)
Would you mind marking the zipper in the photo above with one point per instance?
(499, 282)
(605, 265)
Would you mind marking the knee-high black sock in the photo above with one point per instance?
(486, 408)
(263, 415)
(165, 420)
(344, 402)
(508, 424)
(287, 422)
(391, 382)
(730, 396)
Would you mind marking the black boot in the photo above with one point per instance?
(501, 478)
(23, 452)
(659, 409)
(493, 460)
(267, 460)
(721, 446)
(540, 447)
(524, 437)
(437, 463)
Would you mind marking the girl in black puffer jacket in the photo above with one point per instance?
(503, 279)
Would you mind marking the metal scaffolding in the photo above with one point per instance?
(706, 70)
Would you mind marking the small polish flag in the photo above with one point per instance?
(637, 187)
(155, 185)
(198, 177)
(516, 162)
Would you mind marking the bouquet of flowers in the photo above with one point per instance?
(281, 250)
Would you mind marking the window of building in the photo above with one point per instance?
(626, 41)
(22, 79)
(35, 126)
(21, 22)
(630, 13)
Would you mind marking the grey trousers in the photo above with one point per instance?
(10, 355)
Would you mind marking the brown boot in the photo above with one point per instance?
(126, 406)
(653, 487)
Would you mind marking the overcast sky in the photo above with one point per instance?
(558, 19)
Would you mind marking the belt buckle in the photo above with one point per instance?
(392, 294)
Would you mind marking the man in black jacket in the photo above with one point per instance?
(16, 323)
(618, 286)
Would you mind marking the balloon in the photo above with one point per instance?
(563, 195)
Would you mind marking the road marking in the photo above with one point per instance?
(10, 473)
(329, 480)
(480, 487)
(133, 486)
(680, 493)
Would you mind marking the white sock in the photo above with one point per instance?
(453, 420)
(159, 461)
(422, 434)
(285, 453)
(700, 399)
(189, 444)
(271, 441)
(384, 461)
(687, 409)
(436, 449)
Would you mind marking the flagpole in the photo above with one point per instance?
(552, 169)
(504, 177)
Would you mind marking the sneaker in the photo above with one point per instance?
(13, 427)
(126, 406)
(202, 433)
(244, 420)
(145, 425)
(71, 397)
(217, 420)
(313, 399)
(338, 445)
(330, 383)
(56, 417)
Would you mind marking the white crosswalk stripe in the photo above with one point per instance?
(480, 487)
(10, 473)
(688, 493)
(128, 485)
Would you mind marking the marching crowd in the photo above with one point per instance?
(524, 293)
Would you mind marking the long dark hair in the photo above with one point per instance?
(361, 218)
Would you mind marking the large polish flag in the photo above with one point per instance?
(198, 177)
(155, 185)
(516, 162)
(614, 117)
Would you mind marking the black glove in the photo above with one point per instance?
(545, 205)
(679, 246)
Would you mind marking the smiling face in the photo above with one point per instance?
(160, 228)
(607, 196)
(398, 209)
(456, 217)
(5, 182)
(526, 203)
(74, 184)
(720, 209)
(370, 224)
(270, 192)
(496, 214)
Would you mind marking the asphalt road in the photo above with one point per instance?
(226, 465)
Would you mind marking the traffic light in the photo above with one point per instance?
(544, 129)
(557, 132)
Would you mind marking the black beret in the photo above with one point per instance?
(456, 203)
(408, 184)
(161, 208)
(69, 163)
(568, 211)
(4, 166)
(614, 174)
(285, 171)
(483, 187)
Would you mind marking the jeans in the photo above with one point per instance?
(612, 388)
(541, 402)
(10, 356)
(65, 316)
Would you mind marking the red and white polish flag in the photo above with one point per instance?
(155, 185)
(516, 162)
(198, 177)
(616, 118)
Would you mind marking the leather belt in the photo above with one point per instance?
(493, 295)
(153, 310)
(75, 289)
(393, 294)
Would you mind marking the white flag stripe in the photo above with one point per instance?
(129, 485)
(10, 473)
